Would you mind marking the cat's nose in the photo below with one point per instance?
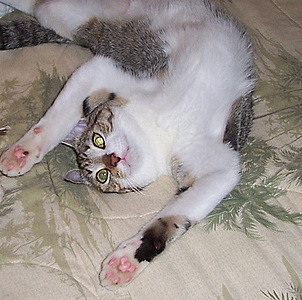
(114, 159)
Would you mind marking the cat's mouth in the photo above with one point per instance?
(127, 157)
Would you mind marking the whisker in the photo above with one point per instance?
(135, 187)
(138, 188)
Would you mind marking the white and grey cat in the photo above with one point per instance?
(139, 127)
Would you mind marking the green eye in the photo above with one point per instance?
(102, 175)
(98, 141)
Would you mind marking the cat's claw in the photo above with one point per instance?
(20, 157)
(121, 267)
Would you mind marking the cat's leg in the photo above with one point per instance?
(98, 74)
(65, 16)
(218, 175)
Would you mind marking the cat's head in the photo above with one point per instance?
(113, 153)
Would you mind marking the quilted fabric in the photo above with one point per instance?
(54, 235)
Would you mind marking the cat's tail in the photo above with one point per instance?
(240, 122)
(26, 33)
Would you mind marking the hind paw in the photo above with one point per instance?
(121, 266)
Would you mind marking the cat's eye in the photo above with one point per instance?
(98, 141)
(102, 176)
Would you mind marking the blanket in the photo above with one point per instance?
(54, 234)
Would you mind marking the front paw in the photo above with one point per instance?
(121, 266)
(20, 157)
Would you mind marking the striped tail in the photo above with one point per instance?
(26, 33)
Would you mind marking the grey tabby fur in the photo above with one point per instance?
(132, 45)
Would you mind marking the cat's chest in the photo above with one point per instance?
(160, 139)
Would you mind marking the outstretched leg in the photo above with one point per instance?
(219, 173)
(96, 75)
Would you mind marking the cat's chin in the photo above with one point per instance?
(140, 177)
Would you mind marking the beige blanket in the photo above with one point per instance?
(54, 235)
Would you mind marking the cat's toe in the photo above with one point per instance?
(121, 266)
(19, 158)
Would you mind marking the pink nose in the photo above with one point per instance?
(114, 159)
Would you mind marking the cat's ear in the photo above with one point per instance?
(99, 99)
(70, 139)
(96, 99)
(74, 176)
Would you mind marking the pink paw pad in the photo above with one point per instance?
(116, 281)
(20, 153)
(22, 163)
(125, 265)
(109, 274)
(18, 148)
(37, 130)
(10, 166)
(112, 261)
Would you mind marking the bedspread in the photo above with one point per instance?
(54, 234)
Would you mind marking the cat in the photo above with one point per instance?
(172, 98)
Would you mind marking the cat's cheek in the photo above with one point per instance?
(124, 168)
